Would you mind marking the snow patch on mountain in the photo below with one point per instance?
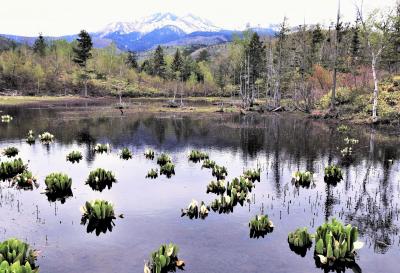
(188, 24)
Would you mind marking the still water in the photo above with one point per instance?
(368, 197)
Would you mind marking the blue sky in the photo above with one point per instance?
(60, 17)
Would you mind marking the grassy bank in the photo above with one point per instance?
(20, 100)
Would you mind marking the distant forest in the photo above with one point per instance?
(350, 66)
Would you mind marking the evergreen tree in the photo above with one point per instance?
(146, 67)
(204, 56)
(317, 39)
(256, 54)
(39, 47)
(177, 63)
(131, 60)
(159, 65)
(82, 54)
(82, 50)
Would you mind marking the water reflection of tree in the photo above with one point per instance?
(374, 211)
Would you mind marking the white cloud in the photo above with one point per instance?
(59, 17)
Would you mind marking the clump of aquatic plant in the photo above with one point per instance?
(99, 179)
(333, 174)
(74, 156)
(153, 174)
(30, 138)
(17, 267)
(219, 172)
(10, 152)
(163, 260)
(197, 156)
(260, 225)
(217, 187)
(239, 185)
(58, 187)
(46, 138)
(9, 169)
(347, 152)
(6, 118)
(336, 243)
(208, 164)
(168, 169)
(14, 251)
(149, 153)
(102, 148)
(342, 128)
(300, 241)
(303, 179)
(125, 154)
(163, 159)
(196, 211)
(350, 141)
(99, 214)
(25, 180)
(253, 175)
(224, 204)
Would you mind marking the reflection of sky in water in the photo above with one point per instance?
(368, 197)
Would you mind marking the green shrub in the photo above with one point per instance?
(333, 174)
(125, 154)
(197, 156)
(217, 187)
(336, 243)
(260, 225)
(163, 260)
(149, 153)
(153, 173)
(74, 156)
(16, 251)
(99, 179)
(168, 169)
(196, 211)
(46, 138)
(9, 169)
(10, 151)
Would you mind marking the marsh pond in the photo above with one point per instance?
(148, 212)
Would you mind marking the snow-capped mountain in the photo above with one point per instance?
(164, 29)
(187, 24)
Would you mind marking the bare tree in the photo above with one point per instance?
(375, 30)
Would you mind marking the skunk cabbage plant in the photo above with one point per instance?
(260, 225)
(333, 174)
(74, 156)
(46, 138)
(197, 156)
(10, 152)
(125, 154)
(9, 169)
(196, 211)
(99, 179)
(164, 260)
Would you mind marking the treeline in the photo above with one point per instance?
(300, 67)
